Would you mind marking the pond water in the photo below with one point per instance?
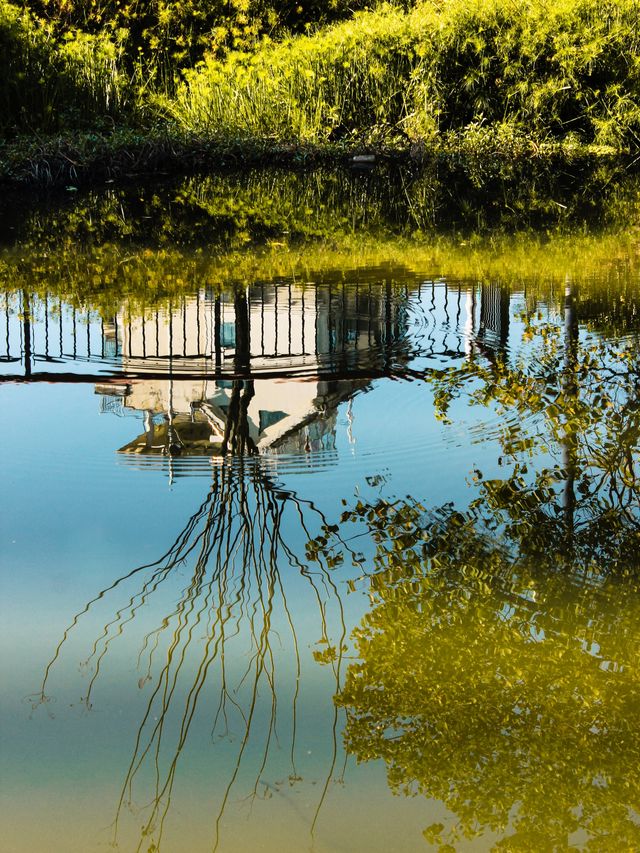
(317, 533)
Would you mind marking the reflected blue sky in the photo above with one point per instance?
(78, 515)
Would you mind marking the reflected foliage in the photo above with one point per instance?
(148, 243)
(498, 668)
(469, 195)
(569, 407)
(497, 682)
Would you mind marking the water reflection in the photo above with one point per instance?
(473, 195)
(335, 330)
(258, 369)
(495, 682)
(496, 668)
(574, 446)
(235, 551)
(316, 332)
(372, 322)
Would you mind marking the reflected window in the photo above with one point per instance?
(228, 335)
(268, 419)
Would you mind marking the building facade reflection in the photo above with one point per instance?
(292, 353)
(297, 351)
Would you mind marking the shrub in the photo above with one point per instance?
(547, 67)
(49, 82)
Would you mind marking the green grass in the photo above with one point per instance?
(492, 79)
(542, 69)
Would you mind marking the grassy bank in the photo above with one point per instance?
(90, 94)
(81, 157)
(539, 68)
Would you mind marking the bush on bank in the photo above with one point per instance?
(548, 68)
(485, 75)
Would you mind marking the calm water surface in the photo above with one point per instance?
(342, 561)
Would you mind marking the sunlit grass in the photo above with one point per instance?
(537, 69)
(500, 76)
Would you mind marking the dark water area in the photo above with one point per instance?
(320, 527)
(469, 195)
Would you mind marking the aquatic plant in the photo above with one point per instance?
(50, 81)
(536, 70)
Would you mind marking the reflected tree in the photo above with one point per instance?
(498, 668)
(569, 407)
(237, 439)
(236, 551)
(490, 680)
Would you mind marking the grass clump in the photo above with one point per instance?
(309, 88)
(50, 81)
(567, 70)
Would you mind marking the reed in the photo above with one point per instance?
(568, 69)
(51, 82)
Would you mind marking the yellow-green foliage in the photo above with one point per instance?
(104, 276)
(147, 241)
(498, 73)
(306, 87)
(164, 36)
(49, 82)
(542, 67)
(487, 683)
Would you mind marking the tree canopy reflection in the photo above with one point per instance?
(499, 684)
(569, 408)
(498, 668)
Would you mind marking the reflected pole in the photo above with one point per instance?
(26, 326)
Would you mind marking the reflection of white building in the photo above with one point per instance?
(301, 351)
(190, 416)
(332, 328)
(290, 327)
(187, 359)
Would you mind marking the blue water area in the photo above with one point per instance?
(271, 555)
